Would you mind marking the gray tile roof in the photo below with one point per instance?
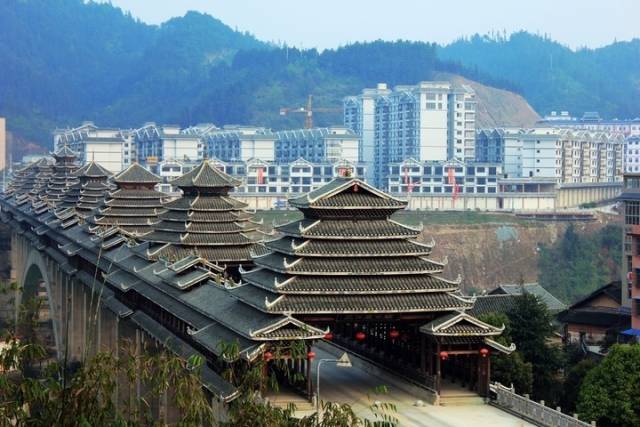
(553, 304)
(136, 174)
(206, 175)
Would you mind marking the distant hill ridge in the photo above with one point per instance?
(65, 61)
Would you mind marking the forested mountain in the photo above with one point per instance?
(64, 61)
(553, 77)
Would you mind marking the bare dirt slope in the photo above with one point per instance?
(496, 107)
(487, 255)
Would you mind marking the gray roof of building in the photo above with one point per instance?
(552, 303)
(206, 175)
(137, 174)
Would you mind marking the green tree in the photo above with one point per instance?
(530, 329)
(577, 264)
(573, 381)
(610, 393)
(511, 369)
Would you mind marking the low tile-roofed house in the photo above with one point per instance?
(596, 315)
(503, 298)
(553, 304)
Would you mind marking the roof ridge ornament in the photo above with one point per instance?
(304, 229)
(300, 246)
(268, 304)
(287, 265)
(418, 230)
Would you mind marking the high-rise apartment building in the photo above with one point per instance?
(630, 270)
(430, 121)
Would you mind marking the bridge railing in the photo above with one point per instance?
(506, 398)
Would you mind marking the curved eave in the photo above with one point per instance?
(282, 288)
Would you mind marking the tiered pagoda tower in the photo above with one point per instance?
(23, 181)
(133, 206)
(83, 196)
(45, 171)
(89, 191)
(349, 267)
(62, 178)
(206, 222)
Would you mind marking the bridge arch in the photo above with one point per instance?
(36, 282)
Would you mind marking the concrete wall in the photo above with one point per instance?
(573, 196)
(566, 197)
(107, 154)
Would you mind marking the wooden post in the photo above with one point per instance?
(430, 355)
(423, 361)
(309, 380)
(438, 363)
(488, 374)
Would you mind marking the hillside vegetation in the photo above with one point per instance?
(65, 61)
(554, 77)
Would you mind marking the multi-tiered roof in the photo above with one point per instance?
(205, 221)
(347, 256)
(89, 191)
(45, 171)
(23, 181)
(83, 196)
(62, 178)
(133, 206)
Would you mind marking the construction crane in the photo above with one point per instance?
(308, 111)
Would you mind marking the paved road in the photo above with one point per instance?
(352, 385)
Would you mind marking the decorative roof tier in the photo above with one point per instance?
(347, 198)
(348, 256)
(62, 178)
(94, 185)
(23, 181)
(45, 172)
(205, 221)
(134, 206)
(462, 328)
(86, 194)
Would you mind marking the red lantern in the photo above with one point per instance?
(311, 355)
(355, 188)
(328, 336)
(484, 352)
(267, 356)
(444, 355)
(394, 334)
(360, 336)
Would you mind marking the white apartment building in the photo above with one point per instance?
(592, 121)
(632, 154)
(442, 178)
(155, 144)
(319, 145)
(111, 147)
(430, 121)
(568, 156)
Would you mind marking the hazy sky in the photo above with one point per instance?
(330, 23)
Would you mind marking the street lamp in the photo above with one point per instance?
(342, 362)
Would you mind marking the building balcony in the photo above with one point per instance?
(634, 231)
